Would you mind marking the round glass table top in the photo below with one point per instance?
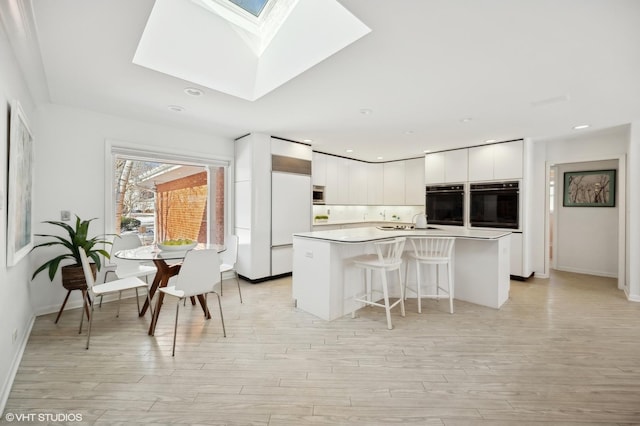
(153, 252)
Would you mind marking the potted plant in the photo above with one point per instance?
(76, 238)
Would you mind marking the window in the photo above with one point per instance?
(161, 197)
(254, 7)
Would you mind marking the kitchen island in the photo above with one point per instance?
(325, 280)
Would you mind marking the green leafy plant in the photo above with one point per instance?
(321, 217)
(77, 238)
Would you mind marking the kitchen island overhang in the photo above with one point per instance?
(325, 281)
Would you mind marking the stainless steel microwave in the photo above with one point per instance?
(318, 194)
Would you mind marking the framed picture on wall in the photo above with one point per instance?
(591, 188)
(20, 191)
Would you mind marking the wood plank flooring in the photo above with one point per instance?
(563, 351)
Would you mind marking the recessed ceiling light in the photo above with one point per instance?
(307, 140)
(349, 150)
(366, 111)
(192, 91)
(380, 158)
(580, 127)
(465, 119)
(490, 141)
(426, 151)
(408, 132)
(175, 108)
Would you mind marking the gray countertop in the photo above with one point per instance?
(368, 234)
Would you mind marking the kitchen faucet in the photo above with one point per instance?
(383, 213)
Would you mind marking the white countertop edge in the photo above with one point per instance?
(363, 235)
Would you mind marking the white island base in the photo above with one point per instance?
(325, 280)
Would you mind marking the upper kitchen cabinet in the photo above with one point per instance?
(393, 191)
(357, 183)
(496, 162)
(319, 169)
(414, 194)
(375, 184)
(336, 188)
(446, 167)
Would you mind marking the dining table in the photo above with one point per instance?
(168, 263)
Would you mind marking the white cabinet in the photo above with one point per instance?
(393, 192)
(516, 255)
(357, 183)
(455, 165)
(319, 169)
(414, 182)
(434, 168)
(331, 180)
(375, 184)
(343, 180)
(496, 162)
(507, 160)
(446, 167)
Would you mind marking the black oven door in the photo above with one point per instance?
(445, 205)
(495, 205)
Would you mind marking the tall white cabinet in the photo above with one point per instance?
(268, 203)
(494, 162)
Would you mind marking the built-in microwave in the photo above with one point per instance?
(318, 194)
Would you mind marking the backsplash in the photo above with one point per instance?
(368, 213)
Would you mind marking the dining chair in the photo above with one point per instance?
(195, 279)
(110, 287)
(125, 268)
(388, 258)
(228, 259)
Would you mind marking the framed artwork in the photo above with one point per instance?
(20, 191)
(592, 188)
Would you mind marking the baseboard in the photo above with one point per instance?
(8, 384)
(263, 279)
(75, 304)
(586, 272)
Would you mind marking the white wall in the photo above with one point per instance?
(633, 213)
(16, 313)
(586, 146)
(586, 240)
(70, 161)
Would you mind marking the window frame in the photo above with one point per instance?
(114, 148)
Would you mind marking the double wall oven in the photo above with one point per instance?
(490, 205)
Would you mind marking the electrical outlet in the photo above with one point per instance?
(14, 336)
(65, 215)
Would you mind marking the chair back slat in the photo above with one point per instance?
(199, 273)
(435, 248)
(390, 252)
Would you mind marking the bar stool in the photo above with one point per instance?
(388, 258)
(435, 251)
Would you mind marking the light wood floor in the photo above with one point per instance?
(564, 351)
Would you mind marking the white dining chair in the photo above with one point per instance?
(228, 259)
(388, 258)
(125, 268)
(194, 279)
(116, 286)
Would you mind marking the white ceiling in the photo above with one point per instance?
(519, 68)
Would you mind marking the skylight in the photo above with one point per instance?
(254, 7)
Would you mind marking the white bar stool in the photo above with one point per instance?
(435, 251)
(388, 258)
